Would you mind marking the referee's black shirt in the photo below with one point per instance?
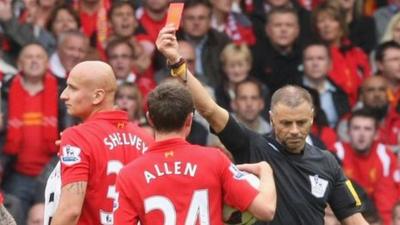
(305, 182)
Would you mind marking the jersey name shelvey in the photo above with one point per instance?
(118, 139)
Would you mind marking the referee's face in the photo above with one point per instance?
(292, 125)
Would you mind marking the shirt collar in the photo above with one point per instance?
(167, 145)
(115, 115)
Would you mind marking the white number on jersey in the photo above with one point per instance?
(198, 208)
(113, 167)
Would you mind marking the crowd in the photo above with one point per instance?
(346, 53)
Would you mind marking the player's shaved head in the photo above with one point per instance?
(91, 87)
(292, 96)
(95, 74)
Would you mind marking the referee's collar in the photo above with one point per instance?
(280, 148)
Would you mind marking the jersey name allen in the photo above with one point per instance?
(175, 168)
(116, 139)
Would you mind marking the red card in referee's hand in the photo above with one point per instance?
(174, 14)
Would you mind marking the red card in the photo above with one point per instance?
(174, 14)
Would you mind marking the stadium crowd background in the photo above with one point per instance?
(345, 52)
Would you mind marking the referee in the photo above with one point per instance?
(306, 178)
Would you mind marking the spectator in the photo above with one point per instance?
(276, 60)
(392, 32)
(248, 105)
(236, 63)
(212, 181)
(128, 98)
(383, 15)
(373, 96)
(19, 34)
(125, 25)
(360, 27)
(92, 153)
(207, 42)
(349, 64)
(36, 214)
(261, 8)
(296, 163)
(153, 15)
(236, 25)
(387, 58)
(317, 63)
(370, 163)
(93, 17)
(34, 119)
(63, 18)
(72, 48)
(120, 54)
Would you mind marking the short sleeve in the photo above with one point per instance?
(237, 191)
(74, 157)
(344, 200)
(125, 213)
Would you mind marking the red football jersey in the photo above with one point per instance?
(374, 172)
(95, 151)
(179, 183)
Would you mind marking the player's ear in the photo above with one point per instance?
(149, 119)
(98, 96)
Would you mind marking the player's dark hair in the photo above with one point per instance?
(169, 104)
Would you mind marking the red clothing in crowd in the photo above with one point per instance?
(349, 68)
(389, 129)
(326, 134)
(151, 26)
(95, 25)
(239, 29)
(32, 127)
(176, 182)
(94, 152)
(394, 97)
(374, 172)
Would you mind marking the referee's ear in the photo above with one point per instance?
(270, 118)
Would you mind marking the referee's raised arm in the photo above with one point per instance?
(167, 44)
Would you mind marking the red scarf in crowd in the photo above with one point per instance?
(16, 112)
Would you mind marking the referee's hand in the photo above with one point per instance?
(167, 44)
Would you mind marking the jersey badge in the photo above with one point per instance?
(169, 154)
(318, 186)
(70, 155)
(237, 174)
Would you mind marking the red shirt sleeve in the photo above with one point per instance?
(125, 213)
(385, 196)
(238, 193)
(74, 156)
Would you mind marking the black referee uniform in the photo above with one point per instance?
(305, 182)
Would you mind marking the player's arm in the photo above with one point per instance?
(70, 206)
(207, 107)
(6, 218)
(355, 219)
(264, 205)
